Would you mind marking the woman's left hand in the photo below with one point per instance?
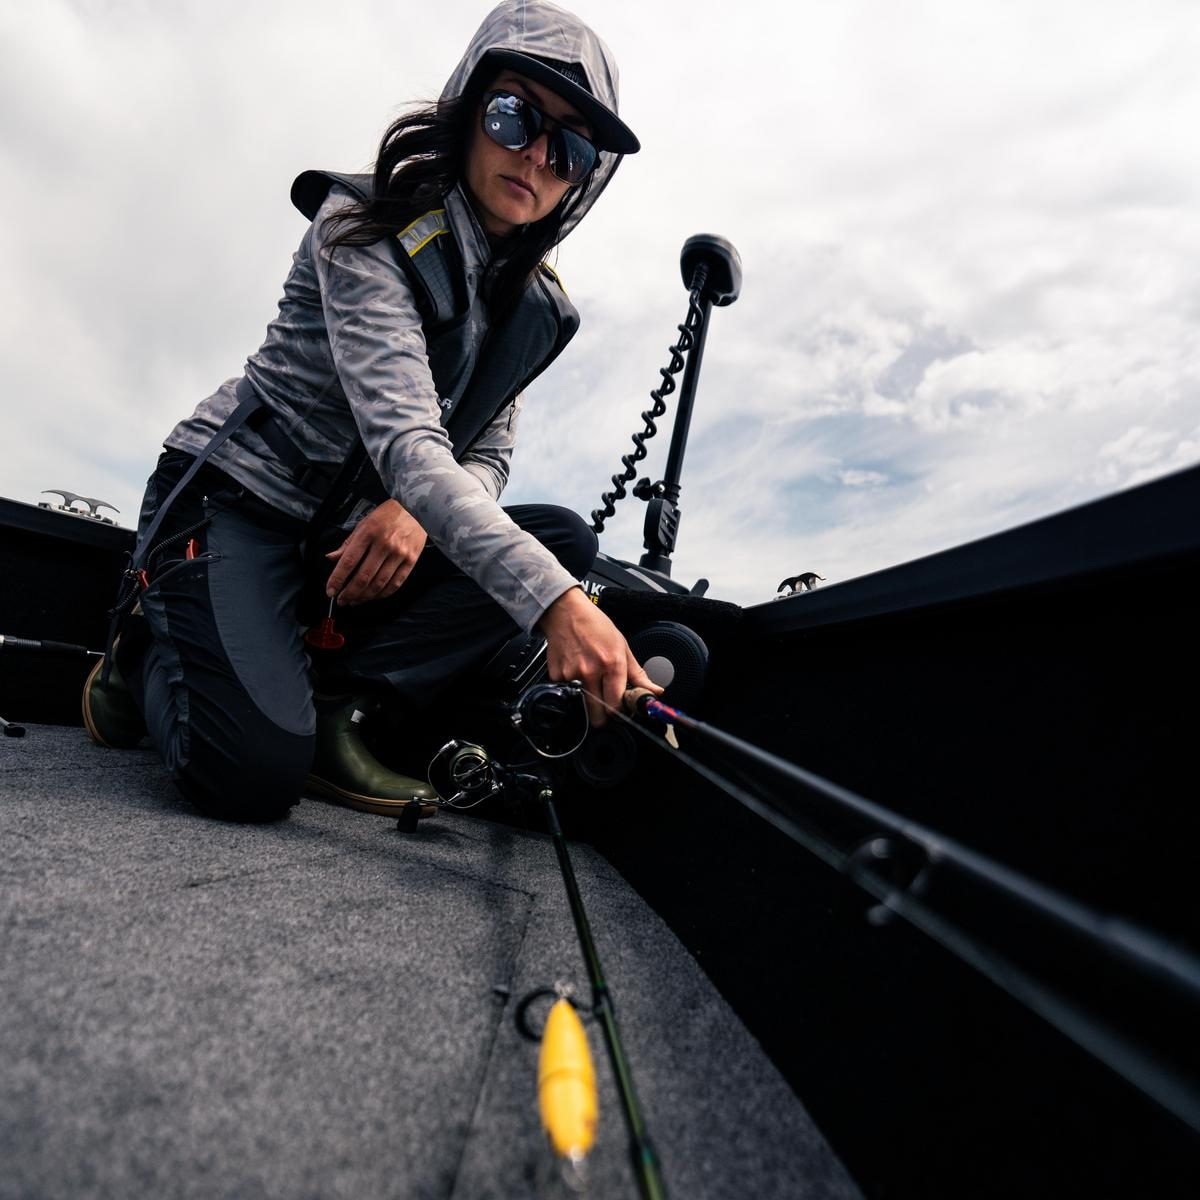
(377, 557)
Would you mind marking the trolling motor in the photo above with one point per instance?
(712, 273)
(674, 655)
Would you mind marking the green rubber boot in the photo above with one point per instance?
(109, 713)
(346, 772)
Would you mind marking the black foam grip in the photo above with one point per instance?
(40, 647)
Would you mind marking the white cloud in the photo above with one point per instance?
(1136, 447)
(857, 479)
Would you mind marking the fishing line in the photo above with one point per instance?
(1156, 1077)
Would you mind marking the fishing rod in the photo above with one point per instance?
(43, 646)
(552, 718)
(641, 1149)
(898, 864)
(9, 643)
(917, 858)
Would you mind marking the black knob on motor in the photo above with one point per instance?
(674, 656)
(723, 279)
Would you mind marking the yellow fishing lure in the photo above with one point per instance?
(567, 1084)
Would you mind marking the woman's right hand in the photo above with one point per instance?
(583, 644)
(377, 557)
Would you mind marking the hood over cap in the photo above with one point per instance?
(522, 35)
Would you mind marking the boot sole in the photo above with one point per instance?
(89, 722)
(371, 804)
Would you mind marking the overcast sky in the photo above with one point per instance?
(970, 235)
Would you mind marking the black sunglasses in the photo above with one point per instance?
(512, 122)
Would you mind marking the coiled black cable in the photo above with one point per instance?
(687, 337)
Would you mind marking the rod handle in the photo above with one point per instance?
(633, 699)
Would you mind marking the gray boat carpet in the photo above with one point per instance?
(324, 1007)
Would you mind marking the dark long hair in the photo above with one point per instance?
(421, 157)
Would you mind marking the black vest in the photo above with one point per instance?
(515, 351)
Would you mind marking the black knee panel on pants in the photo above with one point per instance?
(259, 776)
(239, 764)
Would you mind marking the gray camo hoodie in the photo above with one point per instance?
(346, 357)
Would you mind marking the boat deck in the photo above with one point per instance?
(325, 1006)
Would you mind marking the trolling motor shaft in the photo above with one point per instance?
(712, 273)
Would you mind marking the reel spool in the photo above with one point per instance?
(552, 718)
(463, 775)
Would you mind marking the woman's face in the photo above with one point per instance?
(516, 187)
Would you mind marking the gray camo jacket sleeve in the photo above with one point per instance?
(378, 348)
(490, 455)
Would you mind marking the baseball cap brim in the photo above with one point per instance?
(609, 132)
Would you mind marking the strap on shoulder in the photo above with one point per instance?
(548, 272)
(421, 249)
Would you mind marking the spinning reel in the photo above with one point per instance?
(550, 717)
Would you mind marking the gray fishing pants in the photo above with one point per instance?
(217, 659)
